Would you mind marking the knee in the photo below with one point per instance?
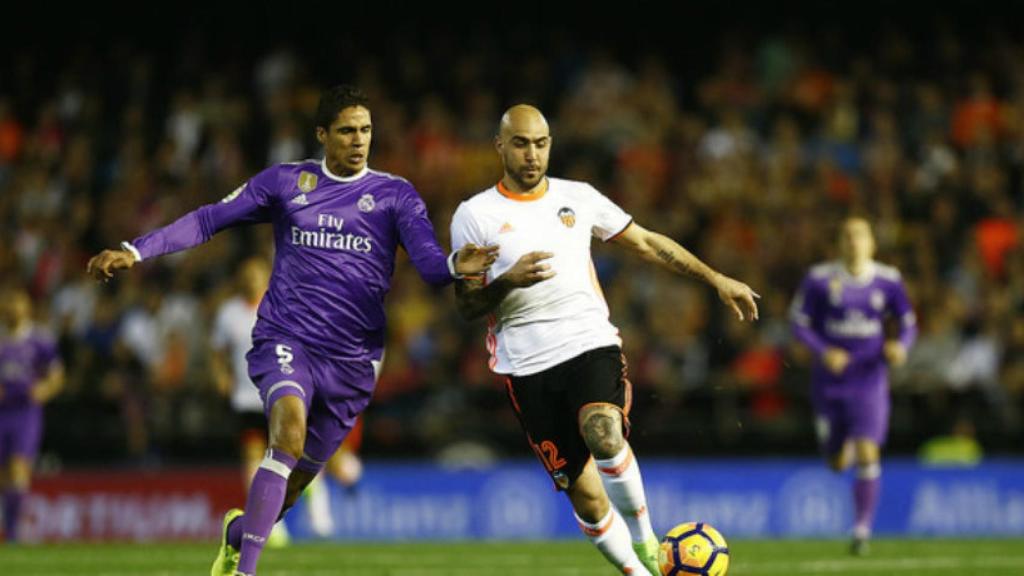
(290, 439)
(603, 435)
(868, 466)
(867, 454)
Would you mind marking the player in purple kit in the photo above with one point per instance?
(319, 336)
(840, 313)
(31, 374)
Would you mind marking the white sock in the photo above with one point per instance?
(620, 475)
(611, 537)
(320, 517)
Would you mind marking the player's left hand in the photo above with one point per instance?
(738, 296)
(895, 353)
(472, 259)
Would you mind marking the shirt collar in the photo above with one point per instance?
(335, 177)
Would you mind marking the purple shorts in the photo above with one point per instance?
(334, 391)
(851, 418)
(20, 432)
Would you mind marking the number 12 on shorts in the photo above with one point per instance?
(548, 454)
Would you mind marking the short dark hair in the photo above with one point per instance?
(334, 100)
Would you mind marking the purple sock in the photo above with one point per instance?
(235, 533)
(865, 498)
(12, 512)
(266, 496)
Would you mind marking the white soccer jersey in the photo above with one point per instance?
(557, 319)
(232, 331)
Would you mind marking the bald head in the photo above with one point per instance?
(524, 144)
(522, 118)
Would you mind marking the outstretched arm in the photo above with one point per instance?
(667, 253)
(416, 234)
(246, 205)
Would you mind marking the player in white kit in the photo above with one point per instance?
(549, 332)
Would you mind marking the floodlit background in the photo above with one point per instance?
(745, 133)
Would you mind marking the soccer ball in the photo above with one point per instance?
(693, 548)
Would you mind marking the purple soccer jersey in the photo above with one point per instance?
(24, 360)
(836, 309)
(336, 240)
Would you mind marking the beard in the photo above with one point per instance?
(527, 182)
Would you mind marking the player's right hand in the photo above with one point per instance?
(894, 352)
(836, 360)
(738, 296)
(529, 270)
(103, 265)
(473, 260)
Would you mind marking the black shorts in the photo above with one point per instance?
(548, 404)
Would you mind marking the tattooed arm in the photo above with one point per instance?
(474, 297)
(666, 252)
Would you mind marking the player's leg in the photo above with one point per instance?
(5, 475)
(601, 426)
(282, 373)
(320, 431)
(866, 489)
(269, 484)
(601, 394)
(830, 425)
(307, 482)
(869, 422)
(344, 391)
(841, 459)
(253, 448)
(541, 405)
(21, 439)
(602, 523)
(345, 466)
(19, 477)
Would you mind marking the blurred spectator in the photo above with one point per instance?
(746, 153)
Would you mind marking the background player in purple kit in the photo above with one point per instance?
(31, 374)
(319, 335)
(840, 313)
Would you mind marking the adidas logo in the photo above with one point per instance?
(300, 200)
(506, 227)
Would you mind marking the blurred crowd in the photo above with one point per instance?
(749, 162)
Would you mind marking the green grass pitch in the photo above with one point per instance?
(570, 558)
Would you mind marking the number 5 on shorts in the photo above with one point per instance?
(285, 357)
